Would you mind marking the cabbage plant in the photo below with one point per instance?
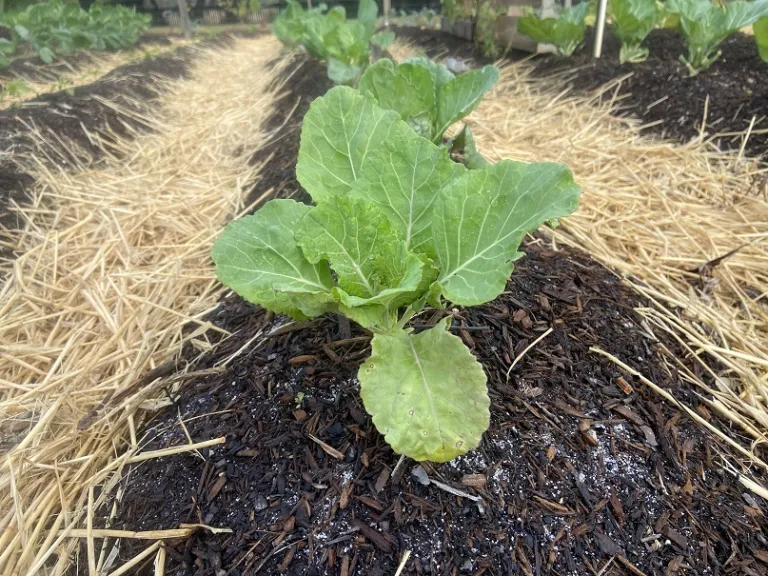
(705, 25)
(430, 99)
(566, 31)
(632, 21)
(395, 225)
(760, 29)
(330, 37)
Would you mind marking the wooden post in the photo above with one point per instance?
(387, 8)
(186, 24)
(599, 28)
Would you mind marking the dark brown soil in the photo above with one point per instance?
(660, 88)
(583, 470)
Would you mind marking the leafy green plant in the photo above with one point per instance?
(632, 21)
(450, 10)
(485, 23)
(705, 25)
(760, 28)
(396, 224)
(566, 31)
(329, 36)
(55, 27)
(14, 89)
(425, 93)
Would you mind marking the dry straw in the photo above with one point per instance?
(62, 75)
(114, 261)
(684, 224)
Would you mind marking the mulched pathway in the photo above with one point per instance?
(583, 470)
(660, 88)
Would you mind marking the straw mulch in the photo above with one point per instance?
(62, 75)
(684, 224)
(114, 262)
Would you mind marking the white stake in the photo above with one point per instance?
(599, 27)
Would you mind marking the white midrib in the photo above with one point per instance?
(426, 387)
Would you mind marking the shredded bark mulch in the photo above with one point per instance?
(659, 89)
(584, 470)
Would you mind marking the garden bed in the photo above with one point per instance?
(584, 469)
(658, 91)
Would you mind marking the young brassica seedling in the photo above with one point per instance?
(705, 25)
(330, 37)
(430, 99)
(396, 225)
(566, 31)
(632, 21)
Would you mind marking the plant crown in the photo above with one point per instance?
(396, 224)
(705, 25)
(632, 21)
(328, 36)
(566, 31)
(429, 98)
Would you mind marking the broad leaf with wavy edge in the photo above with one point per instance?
(358, 240)
(403, 179)
(480, 220)
(461, 95)
(408, 89)
(426, 393)
(257, 256)
(340, 131)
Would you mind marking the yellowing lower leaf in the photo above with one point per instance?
(426, 393)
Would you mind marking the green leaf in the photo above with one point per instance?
(383, 39)
(464, 143)
(366, 14)
(46, 55)
(363, 248)
(633, 20)
(426, 393)
(440, 72)
(379, 313)
(566, 32)
(403, 178)
(340, 131)
(480, 220)
(462, 95)
(760, 29)
(408, 89)
(258, 257)
(341, 73)
(23, 32)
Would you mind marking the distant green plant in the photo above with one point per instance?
(760, 28)
(485, 24)
(55, 28)
(240, 8)
(704, 26)
(632, 21)
(329, 36)
(566, 31)
(450, 10)
(14, 89)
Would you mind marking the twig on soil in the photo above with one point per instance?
(403, 562)
(182, 531)
(328, 449)
(136, 559)
(693, 414)
(524, 352)
(176, 450)
(160, 562)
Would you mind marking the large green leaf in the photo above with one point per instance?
(258, 257)
(408, 89)
(383, 39)
(340, 131)
(633, 20)
(461, 95)
(760, 29)
(426, 393)
(366, 14)
(480, 220)
(403, 178)
(342, 73)
(440, 72)
(364, 249)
